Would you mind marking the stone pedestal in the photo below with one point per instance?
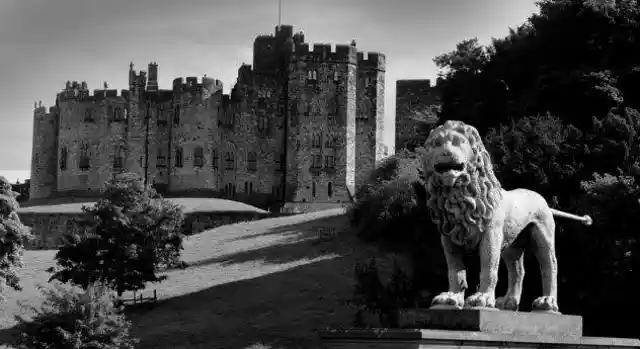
(474, 328)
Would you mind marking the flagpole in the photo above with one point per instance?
(279, 12)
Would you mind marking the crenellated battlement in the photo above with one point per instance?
(97, 95)
(372, 60)
(194, 84)
(326, 52)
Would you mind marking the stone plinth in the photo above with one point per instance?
(493, 321)
(474, 328)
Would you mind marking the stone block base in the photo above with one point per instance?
(474, 328)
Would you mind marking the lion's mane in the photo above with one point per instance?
(463, 212)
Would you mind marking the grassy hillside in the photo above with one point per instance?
(190, 205)
(271, 281)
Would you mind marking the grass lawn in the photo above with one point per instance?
(272, 281)
(190, 205)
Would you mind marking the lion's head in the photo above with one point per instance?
(462, 187)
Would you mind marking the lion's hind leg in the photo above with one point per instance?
(543, 238)
(513, 257)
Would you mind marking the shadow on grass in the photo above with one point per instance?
(305, 240)
(9, 337)
(278, 310)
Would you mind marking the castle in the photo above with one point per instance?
(301, 125)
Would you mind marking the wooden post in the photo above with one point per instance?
(155, 296)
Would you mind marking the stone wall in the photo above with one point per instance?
(49, 227)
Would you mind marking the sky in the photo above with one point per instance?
(44, 43)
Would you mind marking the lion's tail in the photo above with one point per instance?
(586, 220)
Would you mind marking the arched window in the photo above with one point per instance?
(179, 160)
(85, 160)
(330, 189)
(229, 161)
(252, 162)
(198, 157)
(63, 158)
(214, 158)
(313, 189)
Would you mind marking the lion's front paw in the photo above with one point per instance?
(481, 300)
(449, 299)
(545, 303)
(507, 303)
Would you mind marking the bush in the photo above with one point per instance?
(389, 207)
(76, 320)
(13, 235)
(128, 238)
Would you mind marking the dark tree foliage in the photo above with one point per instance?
(76, 320)
(13, 235)
(127, 239)
(556, 102)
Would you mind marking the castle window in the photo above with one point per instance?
(307, 108)
(229, 161)
(88, 115)
(161, 159)
(248, 187)
(316, 141)
(198, 157)
(118, 158)
(263, 125)
(179, 160)
(279, 161)
(117, 114)
(252, 162)
(162, 117)
(329, 161)
(316, 162)
(214, 159)
(328, 142)
(330, 189)
(176, 115)
(313, 189)
(85, 160)
(63, 159)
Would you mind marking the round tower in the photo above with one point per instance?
(44, 159)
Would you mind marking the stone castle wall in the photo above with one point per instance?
(193, 139)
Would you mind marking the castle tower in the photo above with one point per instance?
(152, 84)
(321, 152)
(369, 113)
(44, 157)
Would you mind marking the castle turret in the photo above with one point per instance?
(152, 83)
(44, 157)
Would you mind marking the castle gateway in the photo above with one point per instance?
(301, 125)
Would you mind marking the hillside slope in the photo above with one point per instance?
(273, 281)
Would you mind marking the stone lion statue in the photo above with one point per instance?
(473, 212)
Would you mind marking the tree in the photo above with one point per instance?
(128, 237)
(76, 320)
(13, 234)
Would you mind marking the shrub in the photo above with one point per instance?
(13, 235)
(76, 320)
(389, 207)
(128, 238)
